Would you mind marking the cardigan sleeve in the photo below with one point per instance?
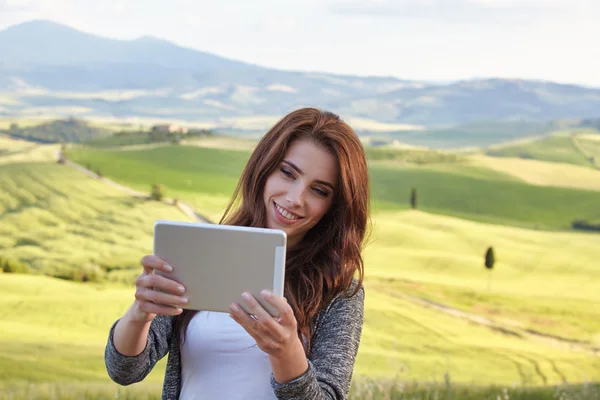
(333, 352)
(126, 370)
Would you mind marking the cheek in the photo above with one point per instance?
(270, 186)
(321, 208)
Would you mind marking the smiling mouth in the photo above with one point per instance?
(286, 214)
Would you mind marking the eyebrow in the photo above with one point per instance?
(294, 166)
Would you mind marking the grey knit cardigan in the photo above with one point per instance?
(336, 338)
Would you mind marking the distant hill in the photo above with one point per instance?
(48, 67)
(59, 131)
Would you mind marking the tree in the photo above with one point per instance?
(413, 198)
(489, 258)
(157, 192)
(489, 264)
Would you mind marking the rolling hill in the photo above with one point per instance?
(206, 178)
(59, 222)
(433, 313)
(569, 147)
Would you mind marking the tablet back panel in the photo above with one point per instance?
(217, 263)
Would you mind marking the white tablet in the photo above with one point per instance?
(217, 263)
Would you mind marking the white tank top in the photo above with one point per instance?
(220, 360)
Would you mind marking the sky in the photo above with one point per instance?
(427, 40)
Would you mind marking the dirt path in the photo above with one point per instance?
(512, 330)
(571, 344)
(184, 207)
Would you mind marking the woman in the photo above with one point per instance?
(308, 177)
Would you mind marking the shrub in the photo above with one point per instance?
(585, 225)
(13, 266)
(89, 272)
(158, 192)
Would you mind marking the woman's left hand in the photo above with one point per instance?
(275, 336)
(278, 337)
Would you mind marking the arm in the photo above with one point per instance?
(143, 335)
(155, 338)
(333, 353)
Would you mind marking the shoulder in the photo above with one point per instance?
(346, 307)
(353, 295)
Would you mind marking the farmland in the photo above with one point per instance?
(433, 313)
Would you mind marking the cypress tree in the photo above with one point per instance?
(489, 258)
(489, 264)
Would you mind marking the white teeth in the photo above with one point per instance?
(286, 214)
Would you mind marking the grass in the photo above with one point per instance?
(206, 178)
(56, 220)
(54, 331)
(487, 198)
(555, 148)
(364, 390)
(203, 177)
(121, 139)
(543, 173)
(589, 145)
(412, 156)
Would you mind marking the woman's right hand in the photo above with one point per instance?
(149, 303)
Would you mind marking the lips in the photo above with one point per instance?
(285, 216)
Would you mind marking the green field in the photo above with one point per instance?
(558, 147)
(206, 178)
(57, 221)
(541, 173)
(534, 323)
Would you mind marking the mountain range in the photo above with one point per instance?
(48, 67)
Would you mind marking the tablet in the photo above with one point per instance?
(217, 263)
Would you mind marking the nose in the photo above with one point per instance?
(295, 196)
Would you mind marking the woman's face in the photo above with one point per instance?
(301, 189)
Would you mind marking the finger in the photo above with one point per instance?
(244, 319)
(264, 323)
(161, 283)
(256, 308)
(286, 314)
(156, 297)
(152, 308)
(151, 262)
(267, 337)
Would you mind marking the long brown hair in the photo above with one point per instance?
(325, 263)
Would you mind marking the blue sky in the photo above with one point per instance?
(438, 40)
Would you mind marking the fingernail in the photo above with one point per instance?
(168, 267)
(246, 296)
(179, 310)
(266, 294)
(184, 300)
(234, 308)
(181, 289)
